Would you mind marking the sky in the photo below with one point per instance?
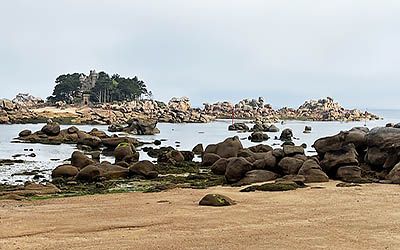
(286, 51)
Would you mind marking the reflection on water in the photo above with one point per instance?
(182, 136)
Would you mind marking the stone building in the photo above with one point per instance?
(88, 82)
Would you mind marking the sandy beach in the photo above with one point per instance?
(366, 217)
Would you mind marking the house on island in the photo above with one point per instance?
(88, 83)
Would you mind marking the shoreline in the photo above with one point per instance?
(322, 216)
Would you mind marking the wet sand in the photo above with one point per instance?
(366, 217)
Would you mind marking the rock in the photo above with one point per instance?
(187, 155)
(376, 157)
(126, 152)
(179, 104)
(286, 135)
(113, 142)
(261, 148)
(72, 130)
(25, 133)
(312, 172)
(273, 187)
(330, 143)
(236, 169)
(79, 160)
(219, 167)
(307, 129)
(349, 173)
(272, 129)
(175, 156)
(292, 150)
(89, 173)
(65, 171)
(290, 165)
(258, 137)
(198, 149)
(113, 128)
(216, 200)
(269, 162)
(255, 176)
(229, 147)
(51, 129)
(334, 159)
(384, 138)
(89, 140)
(144, 168)
(113, 172)
(238, 127)
(394, 174)
(278, 153)
(157, 142)
(142, 127)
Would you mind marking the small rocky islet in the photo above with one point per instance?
(356, 156)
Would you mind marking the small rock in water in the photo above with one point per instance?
(157, 142)
(32, 155)
(216, 200)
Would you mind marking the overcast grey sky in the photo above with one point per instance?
(285, 50)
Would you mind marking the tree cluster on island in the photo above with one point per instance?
(70, 88)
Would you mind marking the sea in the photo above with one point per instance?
(181, 136)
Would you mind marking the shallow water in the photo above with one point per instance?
(182, 136)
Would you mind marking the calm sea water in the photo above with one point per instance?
(183, 136)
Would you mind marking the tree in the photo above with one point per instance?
(67, 88)
(103, 89)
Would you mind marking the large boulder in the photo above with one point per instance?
(255, 176)
(142, 127)
(229, 148)
(260, 148)
(334, 159)
(258, 137)
(89, 140)
(144, 168)
(89, 173)
(286, 135)
(290, 150)
(25, 133)
(64, 171)
(268, 162)
(236, 169)
(312, 172)
(126, 152)
(209, 159)
(198, 149)
(80, 160)
(51, 129)
(112, 172)
(238, 127)
(384, 138)
(349, 173)
(376, 157)
(219, 167)
(113, 142)
(290, 165)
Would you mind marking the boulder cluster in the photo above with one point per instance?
(52, 133)
(362, 155)
(261, 163)
(85, 169)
